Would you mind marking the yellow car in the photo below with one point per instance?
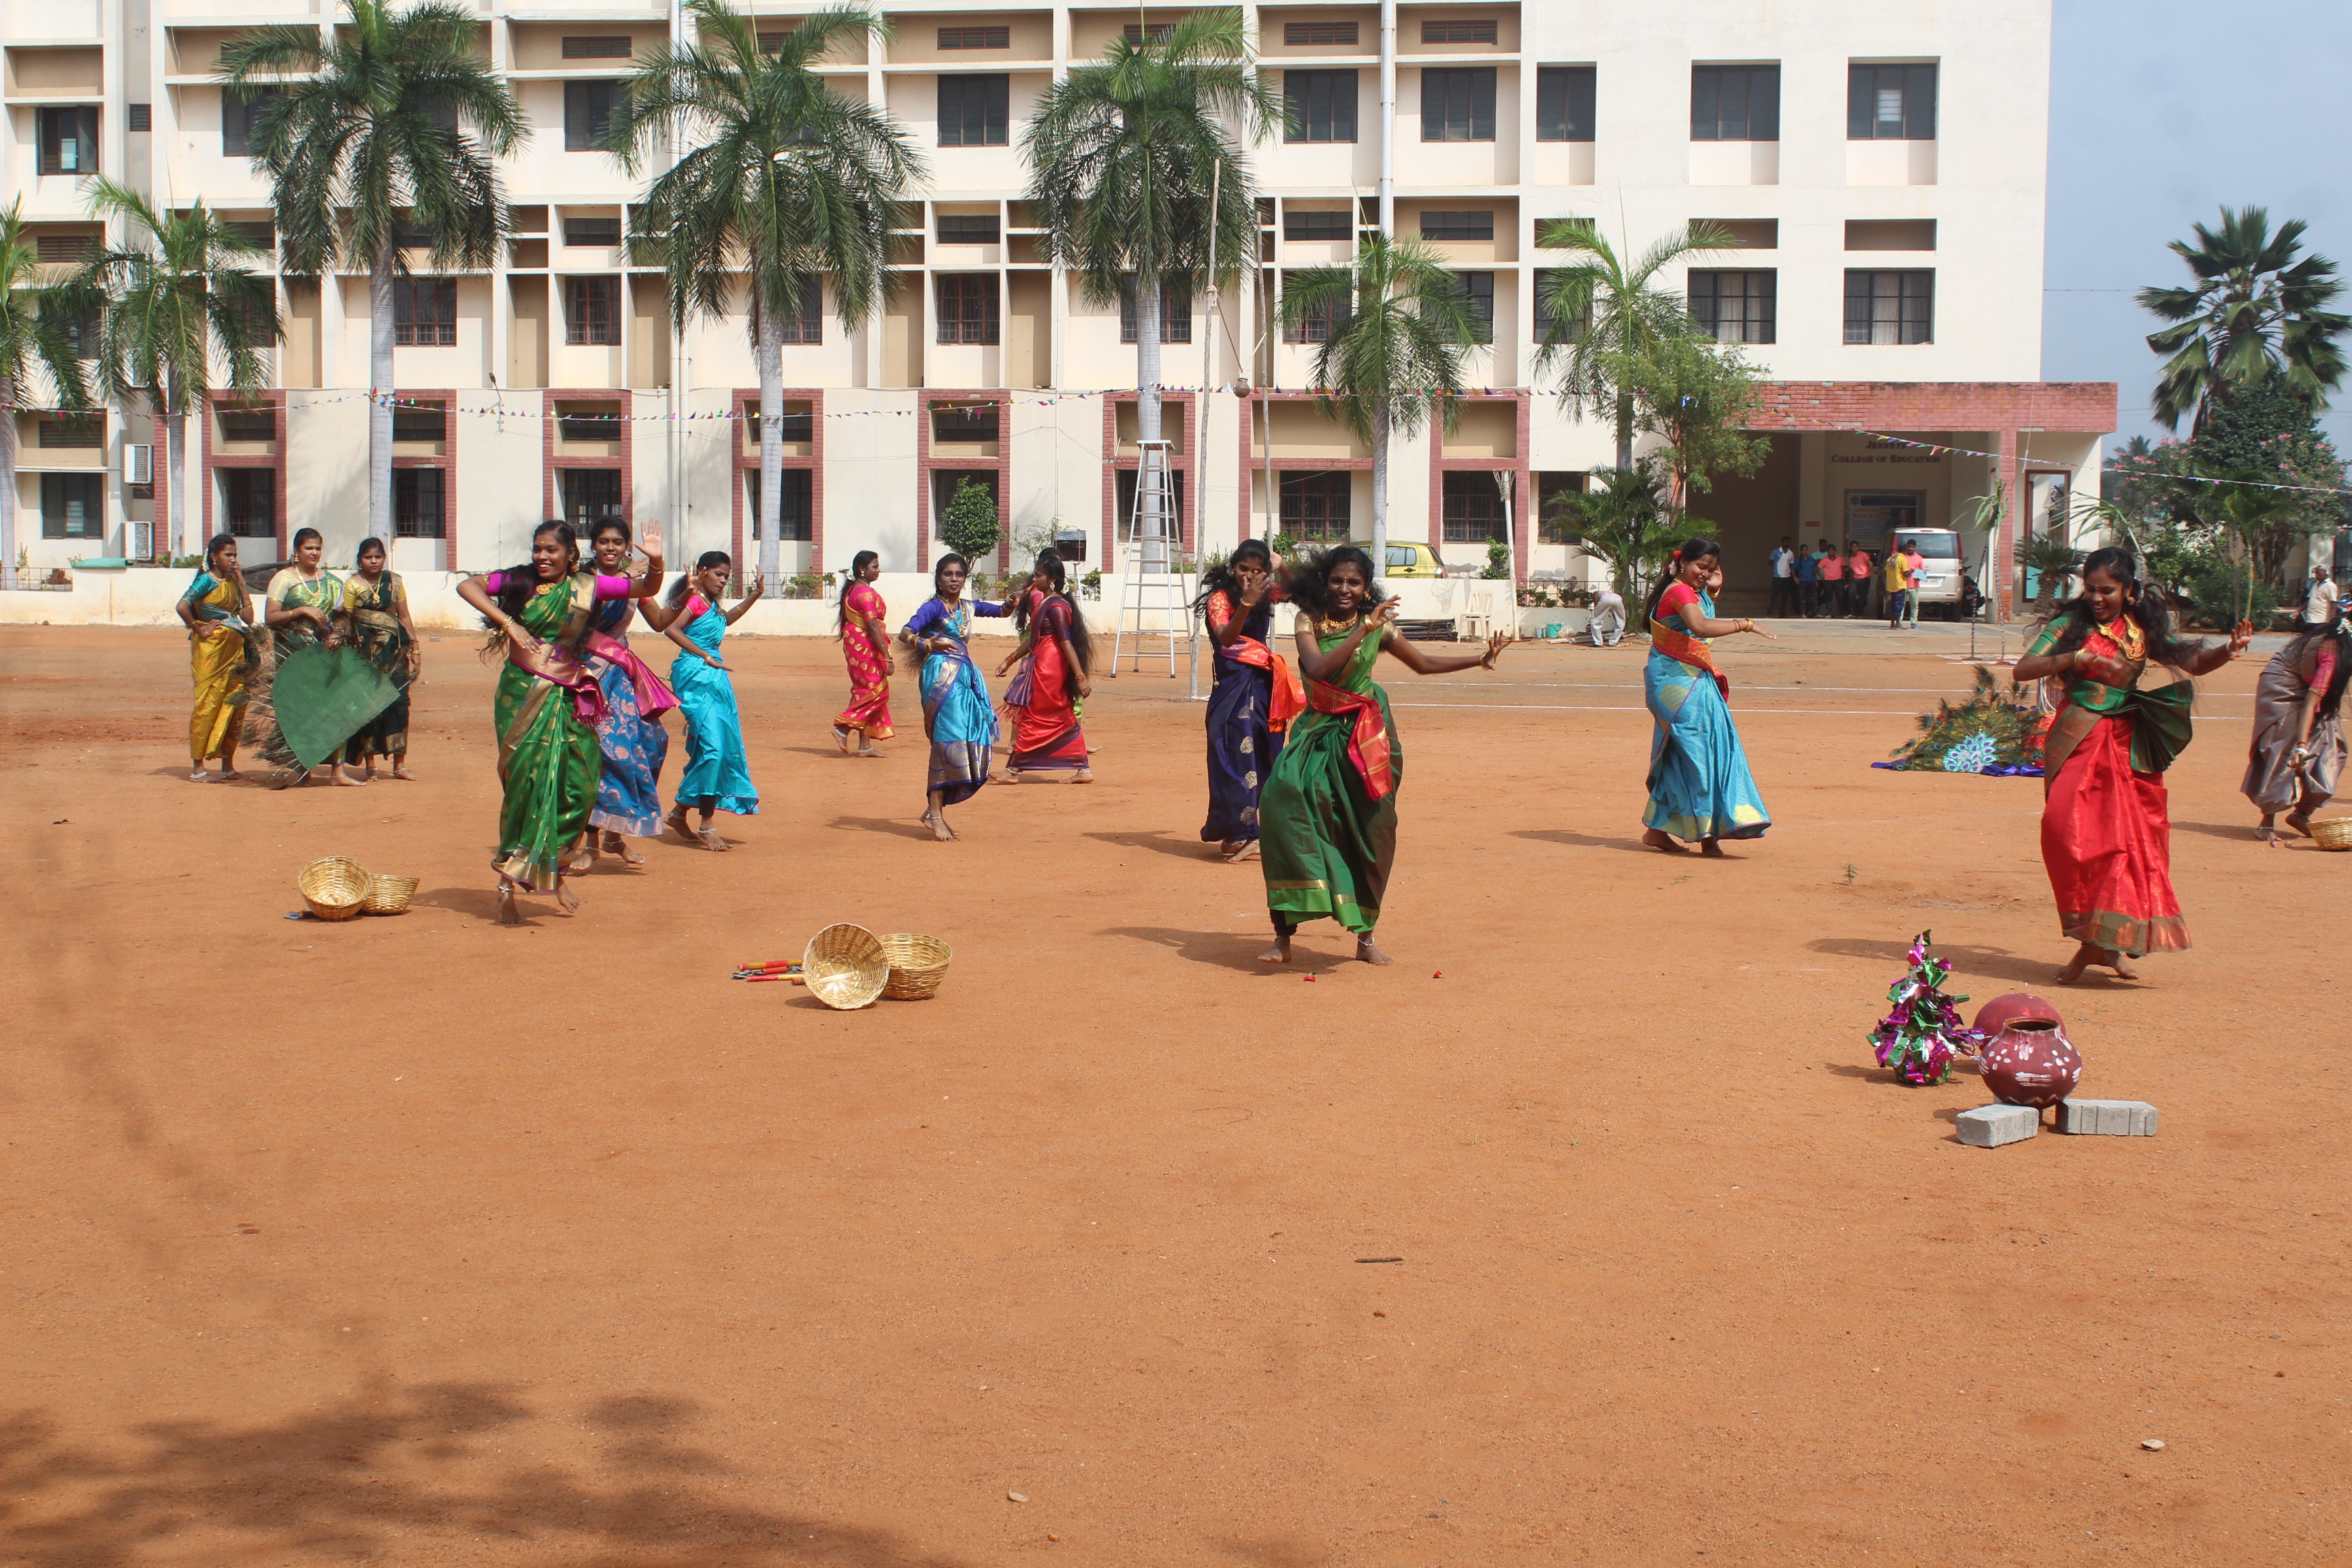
(1407, 558)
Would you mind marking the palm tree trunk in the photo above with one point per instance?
(1625, 430)
(1379, 484)
(1147, 361)
(8, 482)
(771, 444)
(381, 322)
(175, 475)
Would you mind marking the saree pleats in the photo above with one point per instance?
(1698, 781)
(1046, 733)
(2273, 781)
(1327, 843)
(869, 676)
(2107, 843)
(960, 724)
(631, 744)
(548, 759)
(718, 770)
(1244, 747)
(220, 656)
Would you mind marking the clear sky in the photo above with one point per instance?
(2161, 112)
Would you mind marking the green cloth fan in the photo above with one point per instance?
(323, 696)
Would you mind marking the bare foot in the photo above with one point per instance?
(1368, 953)
(1660, 839)
(1278, 954)
(565, 898)
(507, 915)
(1711, 848)
(230, 775)
(841, 738)
(712, 841)
(865, 752)
(939, 827)
(2121, 965)
(200, 777)
(2300, 821)
(1083, 775)
(337, 778)
(2086, 956)
(1232, 849)
(676, 821)
(400, 771)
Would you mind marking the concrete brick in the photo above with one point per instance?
(1990, 1126)
(2107, 1118)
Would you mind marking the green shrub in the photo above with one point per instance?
(968, 525)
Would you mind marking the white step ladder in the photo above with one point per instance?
(1151, 582)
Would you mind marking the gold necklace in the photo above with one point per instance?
(1331, 628)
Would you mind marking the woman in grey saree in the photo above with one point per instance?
(2296, 756)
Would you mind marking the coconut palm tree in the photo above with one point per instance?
(2255, 311)
(780, 178)
(1624, 523)
(31, 340)
(390, 119)
(1136, 179)
(1395, 327)
(175, 302)
(1599, 313)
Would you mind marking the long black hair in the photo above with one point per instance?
(1696, 548)
(857, 565)
(1307, 583)
(680, 590)
(520, 583)
(1222, 579)
(2145, 600)
(1050, 563)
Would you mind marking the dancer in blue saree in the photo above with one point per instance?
(631, 742)
(957, 714)
(718, 777)
(1700, 788)
(1255, 698)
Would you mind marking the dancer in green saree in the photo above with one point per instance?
(1327, 821)
(548, 704)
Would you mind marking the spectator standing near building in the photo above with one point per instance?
(1914, 564)
(1895, 579)
(1858, 567)
(2319, 594)
(1783, 598)
(1808, 581)
(1831, 574)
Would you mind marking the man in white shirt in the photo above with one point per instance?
(2319, 594)
(1607, 625)
(1783, 598)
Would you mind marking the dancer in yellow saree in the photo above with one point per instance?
(547, 708)
(218, 614)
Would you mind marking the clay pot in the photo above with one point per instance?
(2031, 1063)
(1998, 1014)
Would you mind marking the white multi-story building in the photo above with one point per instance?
(1883, 167)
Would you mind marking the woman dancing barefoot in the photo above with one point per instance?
(631, 742)
(1254, 700)
(2106, 841)
(865, 631)
(717, 774)
(1046, 736)
(1328, 823)
(957, 715)
(1700, 788)
(2296, 755)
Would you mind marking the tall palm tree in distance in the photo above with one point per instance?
(1601, 312)
(175, 303)
(394, 120)
(2255, 311)
(778, 177)
(32, 341)
(1125, 158)
(1394, 327)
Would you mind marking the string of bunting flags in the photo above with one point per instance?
(2104, 468)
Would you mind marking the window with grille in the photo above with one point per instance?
(1735, 307)
(1316, 505)
(1473, 505)
(967, 306)
(953, 423)
(1555, 523)
(259, 233)
(1322, 106)
(1149, 32)
(80, 331)
(1125, 526)
(975, 111)
(797, 423)
(969, 228)
(1457, 225)
(594, 313)
(1890, 104)
(420, 422)
(1890, 307)
(1736, 103)
(1564, 103)
(1175, 313)
(408, 234)
(798, 499)
(250, 501)
(1313, 225)
(589, 495)
(73, 506)
(68, 138)
(64, 432)
(807, 326)
(67, 247)
(1477, 291)
(588, 421)
(247, 425)
(1459, 30)
(425, 313)
(139, 117)
(417, 503)
(588, 108)
(1547, 283)
(597, 47)
(976, 37)
(1311, 327)
(1322, 35)
(579, 231)
(1457, 104)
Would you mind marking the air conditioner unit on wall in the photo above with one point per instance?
(138, 464)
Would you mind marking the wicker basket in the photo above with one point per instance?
(335, 888)
(2332, 832)
(389, 895)
(918, 964)
(845, 966)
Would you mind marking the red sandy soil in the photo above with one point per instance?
(420, 1241)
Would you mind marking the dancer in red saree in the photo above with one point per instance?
(1045, 695)
(865, 646)
(2107, 841)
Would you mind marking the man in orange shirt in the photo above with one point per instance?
(1858, 567)
(1831, 572)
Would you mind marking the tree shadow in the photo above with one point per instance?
(1581, 840)
(1225, 950)
(355, 1475)
(1992, 962)
(1160, 841)
(892, 826)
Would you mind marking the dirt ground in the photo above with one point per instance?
(421, 1241)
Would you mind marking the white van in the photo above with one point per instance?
(1942, 579)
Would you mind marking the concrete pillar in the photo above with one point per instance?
(2009, 477)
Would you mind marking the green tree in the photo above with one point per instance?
(1697, 398)
(968, 522)
(1623, 523)
(175, 302)
(2266, 428)
(32, 341)
(389, 120)
(781, 184)
(1391, 358)
(1136, 181)
(1602, 316)
(2265, 523)
(2254, 312)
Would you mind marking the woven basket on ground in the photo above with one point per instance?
(390, 895)
(918, 964)
(335, 888)
(2332, 832)
(845, 966)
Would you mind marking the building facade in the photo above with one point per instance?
(1882, 167)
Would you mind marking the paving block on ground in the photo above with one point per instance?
(2107, 1118)
(1990, 1126)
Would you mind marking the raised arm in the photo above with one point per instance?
(1699, 624)
(648, 579)
(1317, 665)
(746, 602)
(476, 591)
(1408, 654)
